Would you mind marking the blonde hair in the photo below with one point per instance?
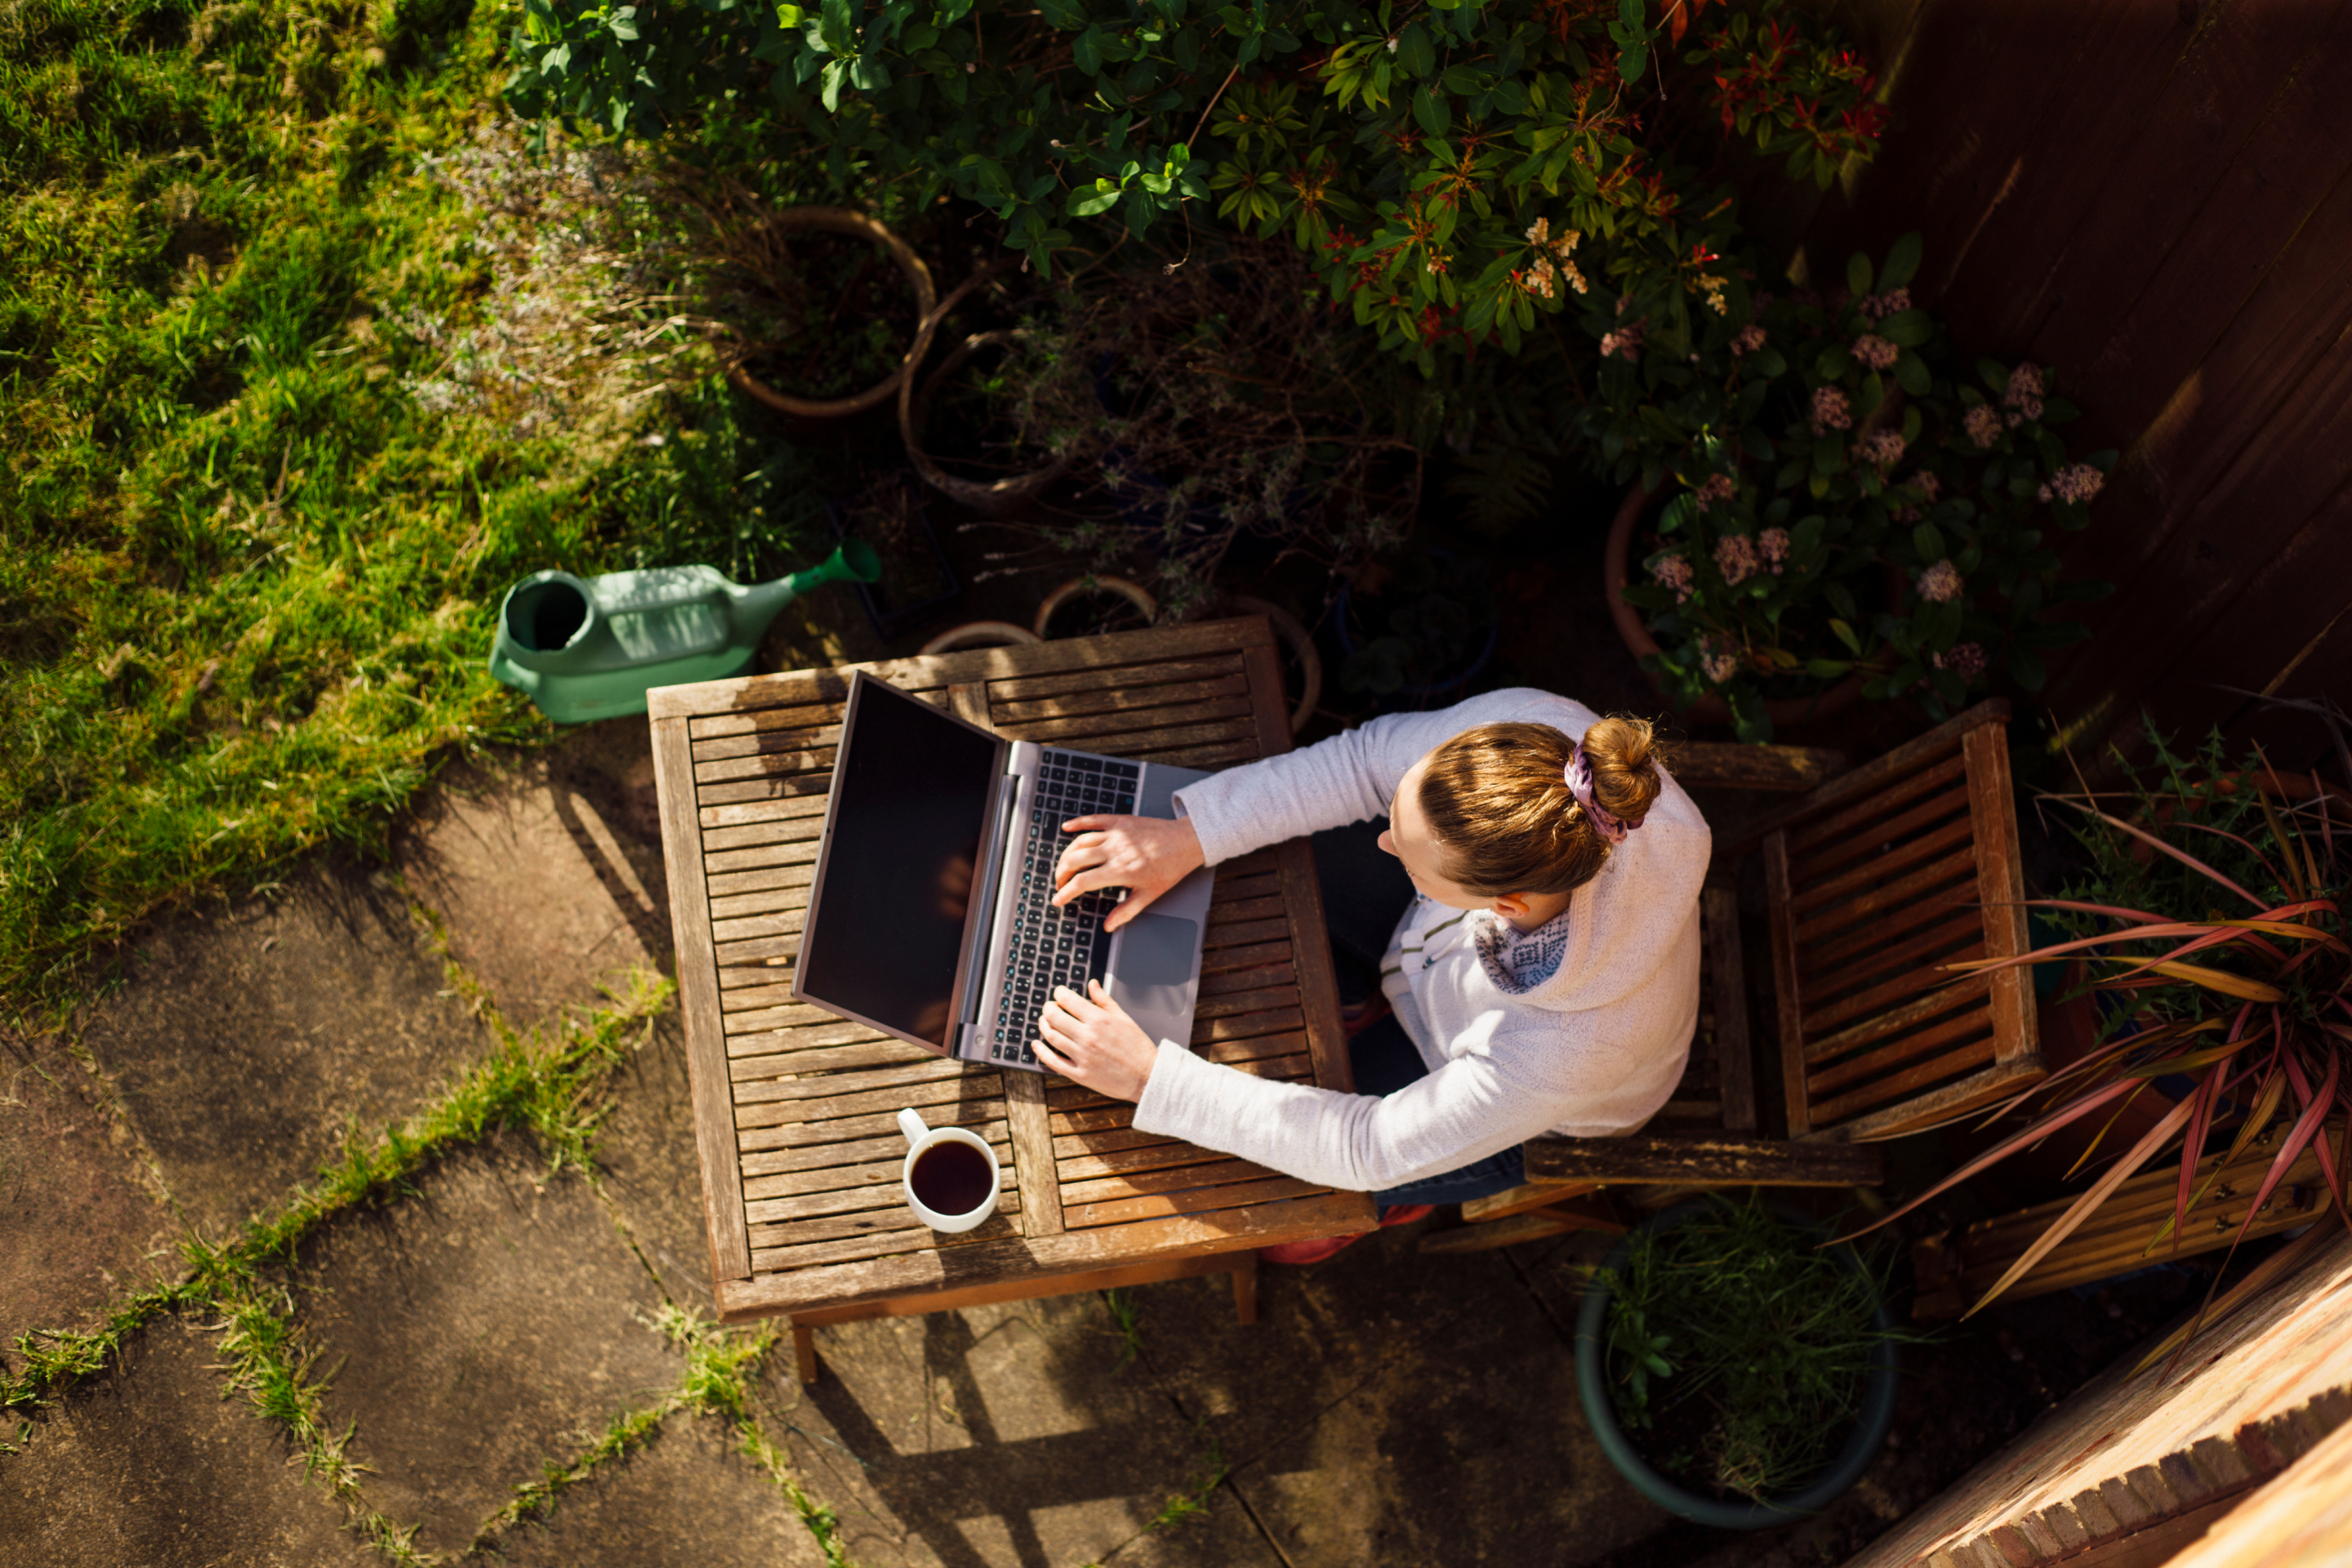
(1496, 798)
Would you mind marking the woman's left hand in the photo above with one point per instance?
(1090, 1039)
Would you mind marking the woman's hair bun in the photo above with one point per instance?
(1625, 766)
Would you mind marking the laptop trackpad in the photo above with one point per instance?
(1154, 970)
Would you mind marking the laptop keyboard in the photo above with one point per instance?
(1065, 946)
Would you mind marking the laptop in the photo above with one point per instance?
(929, 916)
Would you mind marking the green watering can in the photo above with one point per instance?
(592, 648)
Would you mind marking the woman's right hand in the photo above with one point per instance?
(1145, 855)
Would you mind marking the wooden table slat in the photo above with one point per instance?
(1191, 1200)
(828, 1139)
(1020, 688)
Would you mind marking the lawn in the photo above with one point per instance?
(288, 401)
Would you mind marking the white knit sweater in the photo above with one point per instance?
(1594, 1050)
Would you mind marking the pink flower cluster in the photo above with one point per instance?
(1735, 557)
(1875, 352)
(1983, 424)
(1750, 339)
(1673, 571)
(1941, 584)
(1719, 656)
(1876, 308)
(2023, 397)
(1965, 659)
(1927, 484)
(1882, 449)
(1718, 487)
(2076, 482)
(1625, 342)
(1774, 543)
(1830, 411)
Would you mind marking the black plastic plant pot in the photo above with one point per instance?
(917, 579)
(1872, 1417)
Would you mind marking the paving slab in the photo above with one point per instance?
(687, 1497)
(549, 874)
(147, 1464)
(79, 1222)
(490, 1323)
(647, 1160)
(245, 1041)
(999, 1436)
(1390, 1406)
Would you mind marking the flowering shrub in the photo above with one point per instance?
(1455, 171)
(1847, 500)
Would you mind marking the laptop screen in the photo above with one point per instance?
(887, 923)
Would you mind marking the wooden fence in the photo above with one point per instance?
(2155, 198)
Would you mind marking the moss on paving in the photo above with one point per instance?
(248, 569)
(555, 1091)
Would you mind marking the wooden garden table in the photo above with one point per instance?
(794, 1107)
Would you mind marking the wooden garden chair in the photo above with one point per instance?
(1875, 879)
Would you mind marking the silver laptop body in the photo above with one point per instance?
(897, 893)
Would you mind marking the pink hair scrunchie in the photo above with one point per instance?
(1579, 784)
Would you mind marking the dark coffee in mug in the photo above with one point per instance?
(952, 1178)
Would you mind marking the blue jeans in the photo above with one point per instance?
(1365, 891)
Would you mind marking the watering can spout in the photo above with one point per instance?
(757, 606)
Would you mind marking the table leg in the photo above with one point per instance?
(1245, 1291)
(805, 1353)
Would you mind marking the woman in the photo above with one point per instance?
(1544, 972)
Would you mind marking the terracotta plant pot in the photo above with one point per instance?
(1134, 594)
(998, 498)
(1704, 709)
(854, 225)
(981, 634)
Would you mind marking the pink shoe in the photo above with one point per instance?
(1315, 1250)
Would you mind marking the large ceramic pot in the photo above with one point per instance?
(1874, 1414)
(1707, 709)
(853, 225)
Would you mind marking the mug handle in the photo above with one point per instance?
(913, 1126)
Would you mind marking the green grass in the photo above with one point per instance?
(247, 572)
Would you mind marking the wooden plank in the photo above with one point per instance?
(1225, 960)
(1918, 888)
(1521, 1199)
(1258, 978)
(813, 1058)
(1172, 1178)
(800, 1242)
(1188, 1201)
(1928, 1075)
(1726, 764)
(1213, 756)
(750, 1089)
(841, 1035)
(932, 671)
(1210, 1009)
(745, 990)
(883, 1167)
(799, 716)
(969, 700)
(1000, 1260)
(1223, 934)
(1250, 889)
(1530, 1225)
(804, 1145)
(763, 902)
(1974, 1027)
(2001, 889)
(1872, 777)
(697, 990)
(1172, 671)
(816, 1160)
(1788, 999)
(1960, 992)
(770, 788)
(811, 1117)
(1093, 697)
(1864, 965)
(1033, 1153)
(779, 830)
(1253, 909)
(1819, 846)
(791, 809)
(1712, 1162)
(1917, 978)
(1735, 1057)
(765, 741)
(767, 878)
(1816, 892)
(807, 760)
(1974, 1093)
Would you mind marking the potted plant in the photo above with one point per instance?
(1847, 510)
(2210, 916)
(1734, 1370)
(1417, 630)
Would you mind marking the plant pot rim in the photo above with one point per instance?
(1874, 1417)
(854, 225)
(1706, 709)
(994, 499)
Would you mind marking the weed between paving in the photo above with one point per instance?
(554, 1091)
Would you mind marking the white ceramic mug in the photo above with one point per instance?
(922, 1137)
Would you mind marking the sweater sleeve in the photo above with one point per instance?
(1350, 777)
(1477, 1104)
